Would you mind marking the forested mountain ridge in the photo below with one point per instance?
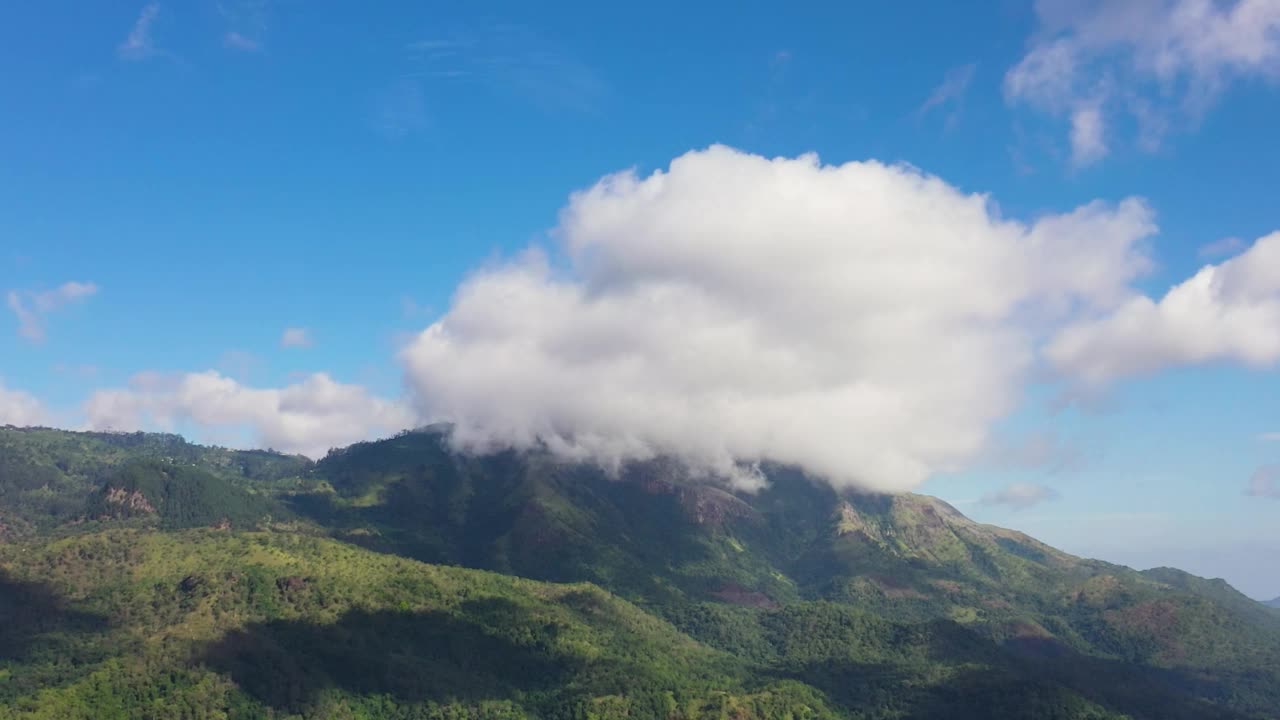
(160, 559)
(50, 479)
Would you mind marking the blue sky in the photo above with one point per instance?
(213, 174)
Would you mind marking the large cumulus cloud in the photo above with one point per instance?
(867, 322)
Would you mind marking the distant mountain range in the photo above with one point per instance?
(140, 574)
(1273, 603)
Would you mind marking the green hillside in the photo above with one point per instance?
(385, 581)
(132, 623)
(50, 479)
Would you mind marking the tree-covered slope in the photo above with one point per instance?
(52, 479)
(796, 599)
(668, 543)
(205, 623)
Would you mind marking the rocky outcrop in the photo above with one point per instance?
(133, 501)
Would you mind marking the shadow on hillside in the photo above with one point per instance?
(34, 620)
(1142, 692)
(462, 657)
(44, 641)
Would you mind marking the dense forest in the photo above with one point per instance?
(145, 577)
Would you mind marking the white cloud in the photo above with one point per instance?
(1229, 311)
(1020, 496)
(296, 337)
(1269, 436)
(138, 44)
(31, 307)
(867, 322)
(308, 417)
(1265, 482)
(20, 408)
(1088, 144)
(1161, 62)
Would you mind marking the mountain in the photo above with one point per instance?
(269, 586)
(1273, 603)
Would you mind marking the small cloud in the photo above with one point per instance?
(951, 92)
(1020, 496)
(20, 408)
(1222, 248)
(1269, 436)
(1265, 483)
(1088, 136)
(296, 337)
(238, 41)
(32, 307)
(138, 44)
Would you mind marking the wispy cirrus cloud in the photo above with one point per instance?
(513, 59)
(239, 41)
(138, 45)
(950, 94)
(246, 24)
(1159, 63)
(31, 307)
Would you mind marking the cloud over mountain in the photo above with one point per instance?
(307, 417)
(20, 408)
(867, 322)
